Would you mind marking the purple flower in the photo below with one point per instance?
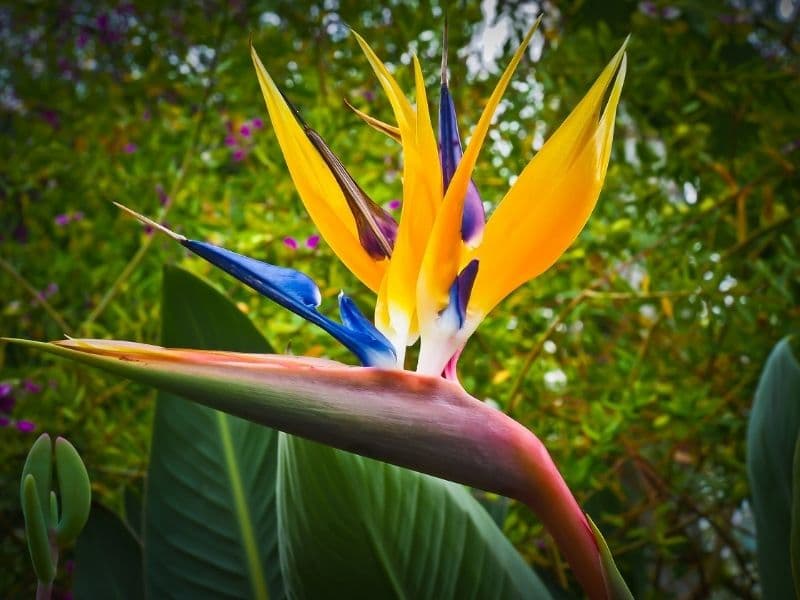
(26, 426)
(163, 198)
(230, 140)
(20, 233)
(50, 117)
(238, 155)
(290, 242)
(4, 421)
(82, 39)
(103, 22)
(148, 229)
(129, 148)
(312, 242)
(649, 8)
(368, 95)
(146, 116)
(7, 400)
(62, 220)
(31, 386)
(394, 205)
(257, 123)
(245, 130)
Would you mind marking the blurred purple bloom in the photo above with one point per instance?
(368, 95)
(31, 386)
(7, 400)
(290, 242)
(312, 242)
(103, 22)
(649, 8)
(4, 421)
(26, 426)
(148, 229)
(245, 130)
(163, 198)
(50, 117)
(77, 216)
(394, 205)
(20, 233)
(238, 155)
(230, 140)
(7, 404)
(129, 148)
(62, 220)
(258, 123)
(82, 39)
(146, 116)
(670, 12)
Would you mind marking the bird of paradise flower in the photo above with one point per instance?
(437, 273)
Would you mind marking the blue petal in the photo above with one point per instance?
(461, 290)
(297, 292)
(289, 288)
(375, 349)
(452, 317)
(474, 218)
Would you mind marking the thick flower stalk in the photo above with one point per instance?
(437, 273)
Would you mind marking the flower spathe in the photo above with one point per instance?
(437, 272)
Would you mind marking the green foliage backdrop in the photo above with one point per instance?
(634, 359)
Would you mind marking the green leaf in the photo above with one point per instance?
(367, 529)
(108, 559)
(39, 463)
(210, 525)
(36, 531)
(771, 439)
(75, 489)
(795, 543)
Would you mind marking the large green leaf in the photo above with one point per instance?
(351, 527)
(771, 439)
(210, 527)
(795, 535)
(108, 559)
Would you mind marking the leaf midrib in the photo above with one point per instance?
(241, 510)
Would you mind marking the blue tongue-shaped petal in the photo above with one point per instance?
(297, 292)
(362, 329)
(461, 289)
(450, 153)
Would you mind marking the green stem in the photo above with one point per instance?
(36, 295)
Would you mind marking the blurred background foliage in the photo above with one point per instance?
(634, 358)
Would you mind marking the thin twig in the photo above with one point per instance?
(35, 294)
(533, 354)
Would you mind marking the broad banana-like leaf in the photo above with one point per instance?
(772, 436)
(368, 529)
(108, 559)
(210, 526)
